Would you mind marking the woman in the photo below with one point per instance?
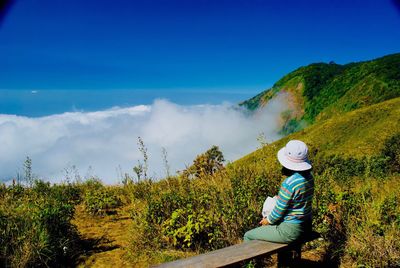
(291, 217)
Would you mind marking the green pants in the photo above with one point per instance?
(281, 233)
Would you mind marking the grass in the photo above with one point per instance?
(358, 133)
(105, 238)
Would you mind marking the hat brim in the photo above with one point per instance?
(287, 163)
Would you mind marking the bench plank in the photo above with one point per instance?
(229, 255)
(238, 253)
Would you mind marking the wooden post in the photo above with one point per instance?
(290, 257)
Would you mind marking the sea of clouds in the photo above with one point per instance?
(104, 143)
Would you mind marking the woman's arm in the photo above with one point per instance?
(282, 203)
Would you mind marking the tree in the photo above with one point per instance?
(206, 164)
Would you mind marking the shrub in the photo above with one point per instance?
(191, 229)
(99, 199)
(392, 151)
(35, 228)
(206, 164)
(140, 190)
(67, 193)
(189, 216)
(390, 211)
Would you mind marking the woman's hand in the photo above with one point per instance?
(264, 221)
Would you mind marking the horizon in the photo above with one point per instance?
(40, 103)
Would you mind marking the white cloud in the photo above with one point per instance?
(107, 140)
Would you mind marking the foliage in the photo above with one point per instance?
(99, 199)
(255, 102)
(291, 125)
(332, 89)
(206, 164)
(35, 228)
(390, 211)
(187, 228)
(140, 190)
(392, 151)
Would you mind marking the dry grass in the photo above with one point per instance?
(105, 238)
(107, 241)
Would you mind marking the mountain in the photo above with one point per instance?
(320, 91)
(356, 134)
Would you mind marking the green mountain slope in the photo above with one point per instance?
(319, 91)
(357, 134)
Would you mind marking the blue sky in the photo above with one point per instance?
(169, 44)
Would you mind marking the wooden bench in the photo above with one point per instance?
(234, 255)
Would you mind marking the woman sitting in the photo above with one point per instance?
(291, 218)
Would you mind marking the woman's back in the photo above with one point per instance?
(294, 199)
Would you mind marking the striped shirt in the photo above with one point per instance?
(294, 200)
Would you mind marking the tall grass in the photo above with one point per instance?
(35, 228)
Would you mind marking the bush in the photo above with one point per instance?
(140, 190)
(390, 211)
(391, 150)
(67, 193)
(206, 164)
(191, 229)
(98, 199)
(189, 217)
(35, 228)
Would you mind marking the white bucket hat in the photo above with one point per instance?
(294, 156)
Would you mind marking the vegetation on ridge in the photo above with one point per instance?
(323, 90)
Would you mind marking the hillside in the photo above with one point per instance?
(322, 90)
(359, 133)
